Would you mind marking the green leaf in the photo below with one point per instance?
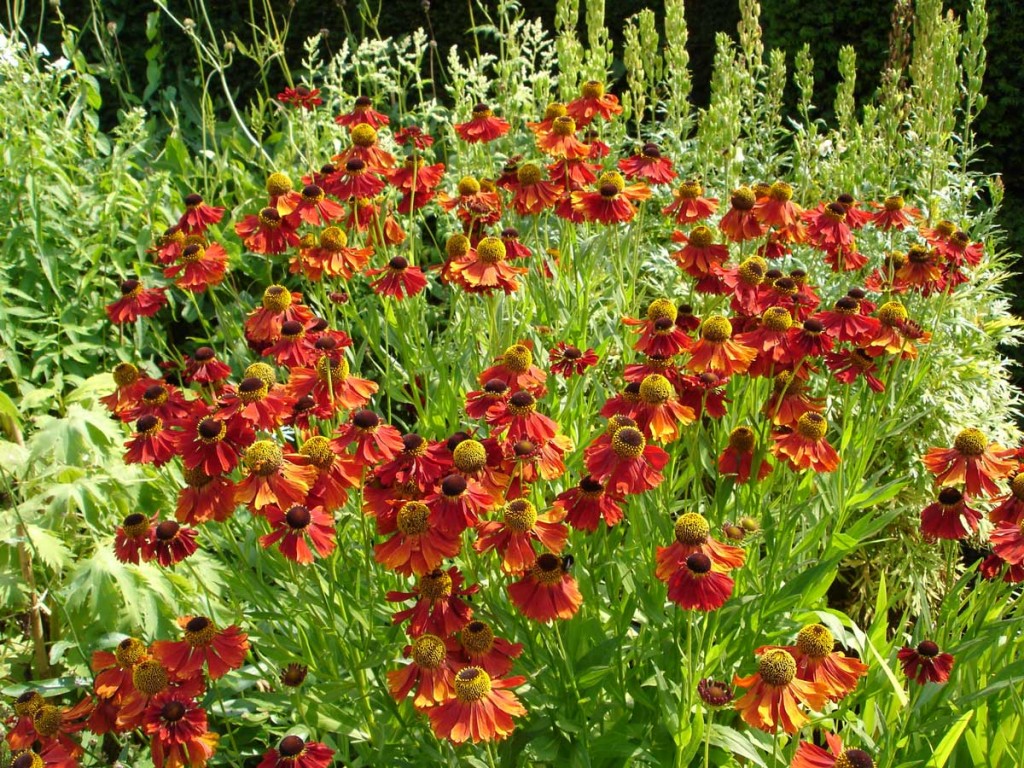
(949, 741)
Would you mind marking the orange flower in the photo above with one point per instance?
(816, 662)
(275, 477)
(480, 710)
(894, 214)
(810, 755)
(693, 535)
(716, 351)
(431, 673)
(625, 463)
(777, 208)
(363, 112)
(699, 256)
(439, 607)
(482, 648)
(775, 694)
(973, 461)
(740, 223)
(738, 458)
(561, 142)
(689, 204)
(418, 545)
(530, 193)
(649, 165)
(612, 202)
(546, 591)
(485, 269)
(805, 446)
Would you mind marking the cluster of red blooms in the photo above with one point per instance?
(426, 495)
(966, 473)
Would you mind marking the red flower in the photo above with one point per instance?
(846, 323)
(418, 545)
(973, 461)
(365, 147)
(1011, 508)
(458, 504)
(256, 403)
(331, 256)
(482, 127)
(297, 529)
(925, 663)
(660, 333)
(301, 96)
(480, 710)
(293, 752)
(648, 165)
(689, 204)
(153, 442)
(700, 256)
(482, 648)
(810, 755)
(274, 477)
(827, 228)
(204, 498)
(277, 306)
(415, 136)
(740, 223)
(199, 267)
(696, 586)
(693, 536)
(626, 463)
(587, 504)
(132, 537)
(375, 441)
(789, 400)
(398, 279)
(949, 517)
(439, 607)
(738, 458)
(220, 650)
(135, 302)
(364, 113)
(204, 367)
(515, 367)
(593, 102)
(717, 351)
(313, 207)
(486, 269)
(267, 232)
(894, 214)
(1008, 542)
(612, 202)
(169, 543)
(546, 591)
(213, 445)
(431, 673)
(775, 694)
(805, 446)
(808, 340)
(177, 727)
(568, 361)
(331, 386)
(198, 215)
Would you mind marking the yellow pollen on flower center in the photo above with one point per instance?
(752, 271)
(277, 298)
(781, 192)
(777, 667)
(261, 371)
(743, 199)
(491, 250)
(264, 457)
(689, 190)
(468, 186)
(628, 443)
(563, 126)
(278, 184)
(318, 450)
(469, 456)
(1017, 486)
(970, 442)
(548, 570)
(472, 684)
(655, 389)
(335, 371)
(520, 515)
(692, 529)
(894, 203)
(428, 652)
(28, 704)
(333, 239)
(252, 390)
(190, 254)
(716, 329)
(742, 439)
(312, 193)
(414, 518)
(436, 585)
(701, 237)
(26, 758)
(477, 638)
(518, 358)
(528, 173)
(130, 652)
(364, 135)
(592, 89)
(854, 758)
(777, 319)
(554, 110)
(457, 246)
(811, 426)
(613, 179)
(270, 218)
(662, 309)
(200, 631)
(892, 313)
(815, 640)
(149, 677)
(47, 721)
(125, 374)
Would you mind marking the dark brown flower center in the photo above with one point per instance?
(291, 746)
(172, 711)
(167, 530)
(298, 517)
